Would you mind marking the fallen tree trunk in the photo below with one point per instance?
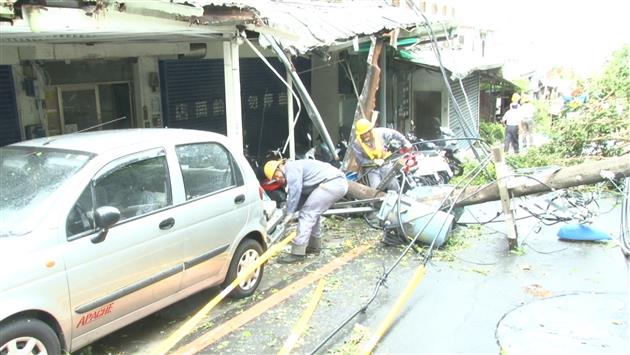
(583, 174)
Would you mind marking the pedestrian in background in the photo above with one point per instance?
(512, 121)
(527, 121)
(319, 185)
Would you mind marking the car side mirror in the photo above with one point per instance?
(104, 218)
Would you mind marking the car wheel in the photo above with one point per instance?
(246, 254)
(28, 336)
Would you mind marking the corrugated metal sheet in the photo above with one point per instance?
(306, 25)
(299, 25)
(468, 124)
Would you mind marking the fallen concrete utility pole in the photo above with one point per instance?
(577, 175)
(311, 109)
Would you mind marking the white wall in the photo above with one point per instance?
(30, 108)
(148, 108)
(9, 55)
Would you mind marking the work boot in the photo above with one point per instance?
(314, 246)
(297, 254)
(291, 258)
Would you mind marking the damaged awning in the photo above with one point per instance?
(303, 26)
(299, 26)
(459, 63)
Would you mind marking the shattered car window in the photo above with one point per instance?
(206, 168)
(28, 177)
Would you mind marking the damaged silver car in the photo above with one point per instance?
(98, 230)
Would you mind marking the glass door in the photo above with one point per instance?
(79, 107)
(95, 106)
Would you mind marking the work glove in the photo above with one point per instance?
(379, 162)
(289, 218)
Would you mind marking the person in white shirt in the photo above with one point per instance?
(512, 121)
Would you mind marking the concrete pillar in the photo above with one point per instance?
(146, 88)
(233, 93)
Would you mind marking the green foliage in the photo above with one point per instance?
(481, 179)
(523, 84)
(533, 157)
(615, 80)
(542, 117)
(598, 127)
(491, 132)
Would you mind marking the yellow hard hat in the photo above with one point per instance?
(516, 97)
(271, 167)
(362, 126)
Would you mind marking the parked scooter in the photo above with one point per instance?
(322, 152)
(445, 145)
(418, 169)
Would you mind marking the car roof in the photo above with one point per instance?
(103, 141)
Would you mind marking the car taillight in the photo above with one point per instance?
(260, 191)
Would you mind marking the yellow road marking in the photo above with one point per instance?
(300, 326)
(393, 313)
(225, 328)
(187, 327)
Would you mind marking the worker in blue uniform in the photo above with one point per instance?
(319, 185)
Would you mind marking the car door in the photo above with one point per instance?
(140, 260)
(216, 209)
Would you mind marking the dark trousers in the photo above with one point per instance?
(511, 137)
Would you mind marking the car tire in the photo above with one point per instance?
(16, 335)
(247, 252)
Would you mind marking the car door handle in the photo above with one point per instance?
(167, 223)
(239, 199)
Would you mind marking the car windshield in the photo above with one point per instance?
(28, 176)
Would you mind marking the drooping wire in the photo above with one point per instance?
(382, 279)
(289, 87)
(436, 50)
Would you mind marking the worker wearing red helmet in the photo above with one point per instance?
(319, 185)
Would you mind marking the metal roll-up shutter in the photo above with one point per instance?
(193, 94)
(468, 124)
(264, 105)
(9, 121)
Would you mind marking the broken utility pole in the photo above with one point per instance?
(503, 172)
(582, 174)
(367, 100)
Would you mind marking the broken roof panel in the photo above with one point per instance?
(306, 25)
(299, 25)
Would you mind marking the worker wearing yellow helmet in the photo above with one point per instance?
(319, 185)
(370, 149)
